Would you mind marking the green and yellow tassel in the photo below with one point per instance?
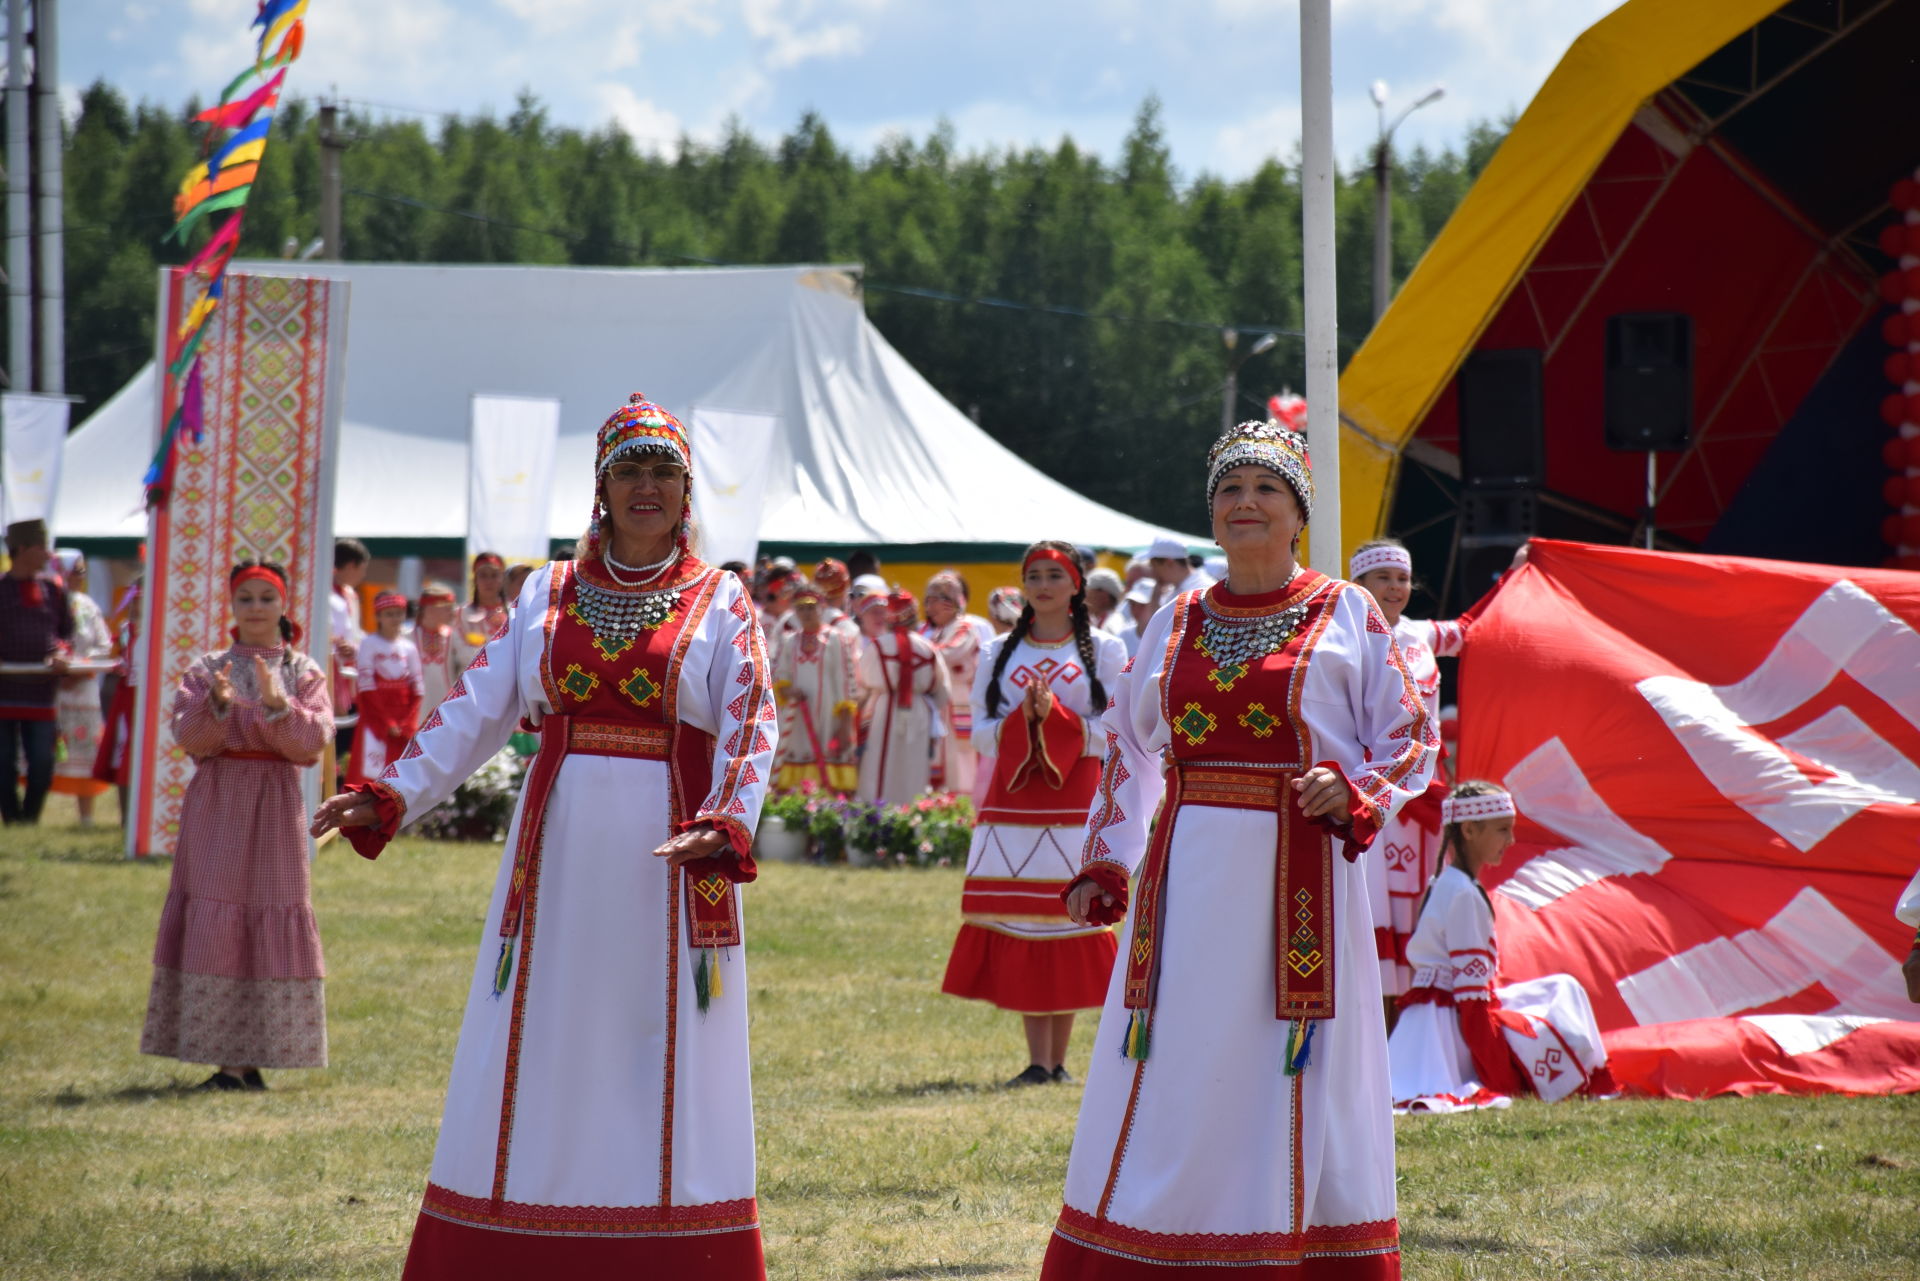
(1134, 1045)
(1300, 1045)
(702, 981)
(503, 969)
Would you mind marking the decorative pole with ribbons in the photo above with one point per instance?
(236, 139)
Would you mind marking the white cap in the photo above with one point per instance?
(1216, 567)
(867, 585)
(1167, 548)
(1141, 593)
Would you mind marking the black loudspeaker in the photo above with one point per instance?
(1500, 419)
(1493, 525)
(1649, 391)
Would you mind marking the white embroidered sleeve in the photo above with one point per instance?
(740, 685)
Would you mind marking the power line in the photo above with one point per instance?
(911, 291)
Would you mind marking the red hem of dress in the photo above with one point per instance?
(445, 1250)
(1086, 1248)
(1031, 975)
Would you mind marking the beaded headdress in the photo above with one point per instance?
(1466, 809)
(1368, 559)
(902, 608)
(642, 427)
(1270, 445)
(831, 575)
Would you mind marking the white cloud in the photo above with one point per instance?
(1245, 145)
(651, 126)
(777, 24)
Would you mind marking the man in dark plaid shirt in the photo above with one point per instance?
(36, 626)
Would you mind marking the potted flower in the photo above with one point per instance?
(783, 832)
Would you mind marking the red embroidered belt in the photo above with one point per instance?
(613, 738)
(1303, 886)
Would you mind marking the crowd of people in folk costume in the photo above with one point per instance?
(1208, 802)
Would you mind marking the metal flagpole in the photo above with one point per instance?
(1316, 215)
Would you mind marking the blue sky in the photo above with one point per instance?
(1005, 72)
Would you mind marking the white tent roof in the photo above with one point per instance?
(868, 453)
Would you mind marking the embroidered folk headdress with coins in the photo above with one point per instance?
(1233, 641)
(636, 432)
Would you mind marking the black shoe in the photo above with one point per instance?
(253, 1080)
(1034, 1075)
(1060, 1076)
(221, 1081)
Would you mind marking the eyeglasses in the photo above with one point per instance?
(663, 474)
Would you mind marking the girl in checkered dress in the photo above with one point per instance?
(237, 970)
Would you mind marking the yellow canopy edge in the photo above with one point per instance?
(1479, 256)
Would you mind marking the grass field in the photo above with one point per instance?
(885, 1151)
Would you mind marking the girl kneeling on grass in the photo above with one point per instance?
(1462, 1043)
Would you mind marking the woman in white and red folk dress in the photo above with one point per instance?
(903, 687)
(813, 678)
(599, 1117)
(238, 977)
(1462, 1043)
(959, 636)
(390, 690)
(485, 612)
(1235, 1112)
(1038, 697)
(433, 637)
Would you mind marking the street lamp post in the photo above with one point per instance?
(1230, 394)
(1383, 193)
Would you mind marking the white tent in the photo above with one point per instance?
(867, 453)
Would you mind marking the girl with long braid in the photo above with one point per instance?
(237, 970)
(1038, 697)
(1462, 1043)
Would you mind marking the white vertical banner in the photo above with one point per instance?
(510, 476)
(732, 451)
(36, 439)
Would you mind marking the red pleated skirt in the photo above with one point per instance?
(1030, 975)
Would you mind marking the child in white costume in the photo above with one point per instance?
(1461, 1043)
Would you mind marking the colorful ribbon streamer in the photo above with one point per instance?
(222, 181)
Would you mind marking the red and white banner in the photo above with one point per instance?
(1717, 764)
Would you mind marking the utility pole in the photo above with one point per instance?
(50, 273)
(331, 145)
(19, 205)
(1383, 193)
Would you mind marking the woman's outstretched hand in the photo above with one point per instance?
(1080, 900)
(1323, 791)
(688, 846)
(348, 809)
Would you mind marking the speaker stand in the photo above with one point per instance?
(1647, 513)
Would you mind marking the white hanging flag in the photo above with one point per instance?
(510, 476)
(36, 438)
(732, 452)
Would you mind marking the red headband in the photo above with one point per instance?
(1059, 558)
(259, 574)
(488, 558)
(389, 600)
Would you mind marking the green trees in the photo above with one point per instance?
(1071, 305)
